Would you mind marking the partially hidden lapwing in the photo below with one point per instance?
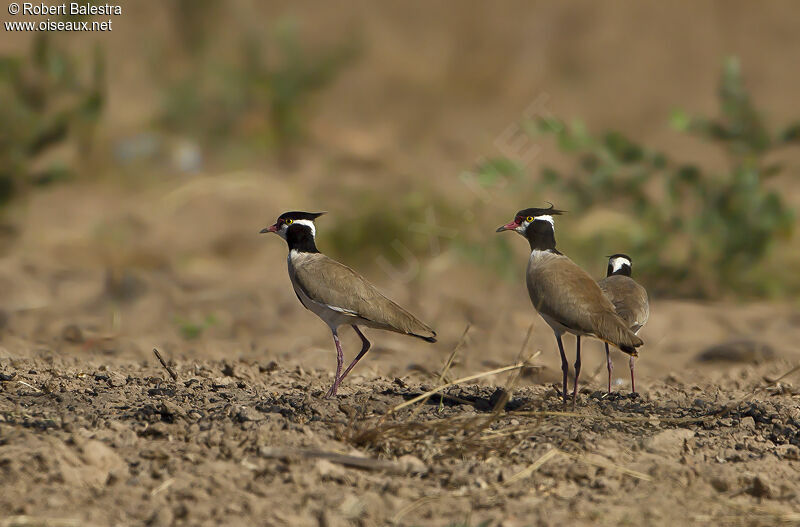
(629, 299)
(337, 294)
(565, 296)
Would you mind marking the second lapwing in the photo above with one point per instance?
(629, 299)
(565, 296)
(337, 294)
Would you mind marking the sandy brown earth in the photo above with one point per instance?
(254, 443)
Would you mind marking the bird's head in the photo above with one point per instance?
(296, 221)
(532, 218)
(619, 264)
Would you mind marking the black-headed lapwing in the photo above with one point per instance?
(565, 296)
(629, 299)
(337, 294)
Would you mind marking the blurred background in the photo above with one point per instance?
(138, 165)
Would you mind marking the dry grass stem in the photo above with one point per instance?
(20, 521)
(593, 459)
(533, 467)
(455, 382)
(613, 419)
(774, 381)
(164, 486)
(363, 463)
(34, 388)
(166, 366)
(445, 369)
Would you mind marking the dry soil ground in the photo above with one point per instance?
(254, 443)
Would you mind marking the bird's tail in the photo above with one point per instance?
(427, 338)
(613, 330)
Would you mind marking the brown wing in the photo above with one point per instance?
(564, 292)
(329, 282)
(629, 299)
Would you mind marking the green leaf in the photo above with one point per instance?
(550, 176)
(771, 170)
(658, 160)
(680, 120)
(791, 133)
(688, 174)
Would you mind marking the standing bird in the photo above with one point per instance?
(565, 296)
(629, 299)
(337, 294)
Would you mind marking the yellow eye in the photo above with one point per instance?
(529, 219)
(289, 222)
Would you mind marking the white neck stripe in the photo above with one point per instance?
(545, 218)
(618, 263)
(307, 223)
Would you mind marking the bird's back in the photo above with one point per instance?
(629, 299)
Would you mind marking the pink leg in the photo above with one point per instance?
(364, 349)
(564, 367)
(633, 383)
(610, 367)
(339, 363)
(577, 368)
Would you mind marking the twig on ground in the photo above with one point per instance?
(166, 366)
(443, 377)
(585, 458)
(445, 369)
(363, 463)
(533, 467)
(164, 486)
(500, 405)
(413, 505)
(32, 387)
(38, 521)
(774, 381)
(619, 419)
(457, 381)
(604, 463)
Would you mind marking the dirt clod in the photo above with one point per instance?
(761, 487)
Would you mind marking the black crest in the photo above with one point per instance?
(533, 212)
(299, 215)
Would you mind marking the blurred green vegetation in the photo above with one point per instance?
(263, 97)
(190, 329)
(391, 227)
(46, 100)
(495, 253)
(697, 230)
(692, 230)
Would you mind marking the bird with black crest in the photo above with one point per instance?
(564, 295)
(337, 294)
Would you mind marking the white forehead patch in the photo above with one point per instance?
(618, 262)
(307, 223)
